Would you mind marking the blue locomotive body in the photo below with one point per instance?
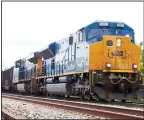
(64, 67)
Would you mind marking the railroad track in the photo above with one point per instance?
(76, 99)
(95, 110)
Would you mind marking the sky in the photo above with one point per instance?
(30, 26)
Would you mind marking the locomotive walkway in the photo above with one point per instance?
(95, 110)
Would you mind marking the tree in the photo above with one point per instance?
(141, 44)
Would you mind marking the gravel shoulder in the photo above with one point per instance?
(35, 111)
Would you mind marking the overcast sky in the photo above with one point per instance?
(30, 26)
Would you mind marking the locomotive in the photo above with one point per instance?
(100, 60)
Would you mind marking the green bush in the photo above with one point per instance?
(141, 45)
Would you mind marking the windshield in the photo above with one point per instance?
(99, 33)
(123, 33)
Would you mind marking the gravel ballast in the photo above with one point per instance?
(122, 105)
(35, 111)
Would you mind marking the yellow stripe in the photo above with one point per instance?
(123, 71)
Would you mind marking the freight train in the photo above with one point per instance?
(100, 60)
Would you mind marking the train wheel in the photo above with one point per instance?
(47, 94)
(113, 100)
(51, 95)
(88, 97)
(68, 96)
(81, 97)
(123, 101)
(102, 100)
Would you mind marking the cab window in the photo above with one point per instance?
(109, 43)
(70, 40)
(80, 36)
(98, 32)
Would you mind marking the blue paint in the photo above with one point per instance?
(43, 68)
(99, 31)
(72, 66)
(80, 64)
(52, 47)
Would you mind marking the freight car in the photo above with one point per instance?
(100, 60)
(7, 76)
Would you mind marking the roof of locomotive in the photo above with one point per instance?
(110, 24)
(95, 24)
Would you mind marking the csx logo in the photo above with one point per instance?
(117, 53)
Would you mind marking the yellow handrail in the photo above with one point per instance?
(97, 64)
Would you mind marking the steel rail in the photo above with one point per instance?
(102, 111)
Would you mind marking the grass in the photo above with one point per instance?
(137, 100)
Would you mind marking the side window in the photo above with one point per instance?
(66, 55)
(94, 33)
(52, 64)
(80, 36)
(17, 65)
(109, 43)
(70, 40)
(70, 53)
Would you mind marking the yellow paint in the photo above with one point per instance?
(98, 55)
(39, 66)
(123, 71)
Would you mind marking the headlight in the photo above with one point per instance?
(135, 66)
(120, 24)
(108, 65)
(118, 42)
(103, 24)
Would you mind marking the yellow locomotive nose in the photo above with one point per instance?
(115, 54)
(121, 53)
(117, 60)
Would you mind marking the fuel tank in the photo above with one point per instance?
(66, 79)
(59, 89)
(63, 79)
(49, 80)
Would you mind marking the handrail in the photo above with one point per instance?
(124, 79)
(97, 64)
